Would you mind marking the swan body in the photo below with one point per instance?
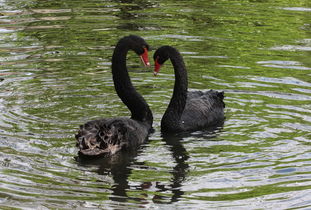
(110, 135)
(188, 111)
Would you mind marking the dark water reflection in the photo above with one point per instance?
(55, 59)
(119, 167)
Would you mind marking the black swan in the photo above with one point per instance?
(110, 135)
(187, 111)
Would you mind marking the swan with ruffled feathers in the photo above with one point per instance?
(110, 135)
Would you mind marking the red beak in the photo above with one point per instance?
(157, 67)
(144, 57)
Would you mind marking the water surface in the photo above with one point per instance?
(55, 59)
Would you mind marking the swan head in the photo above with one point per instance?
(139, 46)
(160, 56)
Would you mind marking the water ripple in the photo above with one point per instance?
(55, 75)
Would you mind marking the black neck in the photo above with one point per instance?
(130, 97)
(172, 116)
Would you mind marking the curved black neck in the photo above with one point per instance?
(130, 97)
(173, 113)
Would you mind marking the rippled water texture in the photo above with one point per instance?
(55, 74)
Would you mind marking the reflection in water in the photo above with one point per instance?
(131, 14)
(181, 155)
(179, 171)
(117, 166)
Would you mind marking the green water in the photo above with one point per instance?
(55, 59)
